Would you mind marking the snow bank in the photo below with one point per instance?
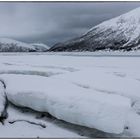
(68, 102)
(2, 99)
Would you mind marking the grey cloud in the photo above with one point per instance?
(55, 22)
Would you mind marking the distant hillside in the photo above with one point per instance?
(10, 45)
(40, 47)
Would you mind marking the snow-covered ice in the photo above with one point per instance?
(19, 125)
(98, 90)
(68, 102)
(108, 82)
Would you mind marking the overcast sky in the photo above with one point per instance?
(51, 23)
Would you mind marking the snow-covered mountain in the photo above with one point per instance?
(11, 45)
(120, 33)
(40, 46)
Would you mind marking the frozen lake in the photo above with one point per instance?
(94, 73)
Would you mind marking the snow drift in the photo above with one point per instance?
(68, 102)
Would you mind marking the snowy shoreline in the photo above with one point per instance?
(78, 54)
